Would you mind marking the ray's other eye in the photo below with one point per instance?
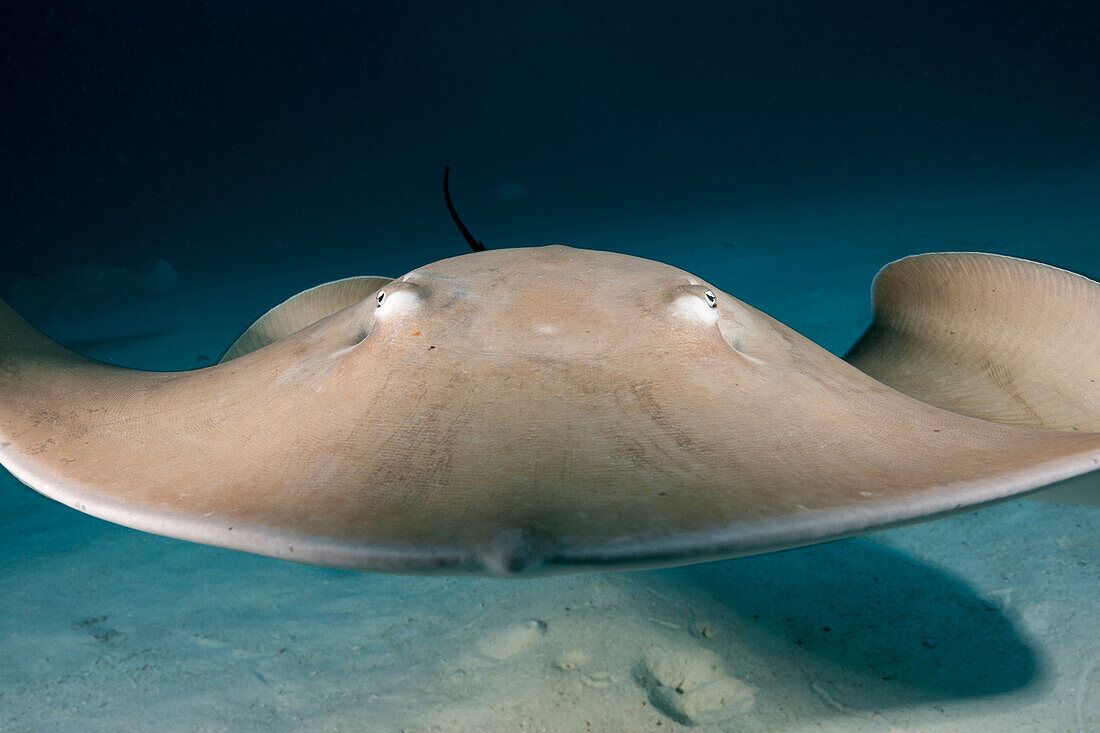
(380, 297)
(711, 298)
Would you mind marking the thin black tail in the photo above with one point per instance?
(475, 244)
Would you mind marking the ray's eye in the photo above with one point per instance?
(711, 298)
(380, 297)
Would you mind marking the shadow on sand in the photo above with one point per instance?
(895, 629)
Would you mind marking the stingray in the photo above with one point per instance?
(517, 412)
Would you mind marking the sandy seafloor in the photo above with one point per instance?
(988, 621)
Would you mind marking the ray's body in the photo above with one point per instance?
(524, 411)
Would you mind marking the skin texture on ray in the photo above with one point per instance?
(511, 412)
(993, 337)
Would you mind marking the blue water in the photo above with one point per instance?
(782, 153)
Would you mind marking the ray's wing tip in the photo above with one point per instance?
(974, 258)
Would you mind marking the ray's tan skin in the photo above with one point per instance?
(525, 411)
(995, 337)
